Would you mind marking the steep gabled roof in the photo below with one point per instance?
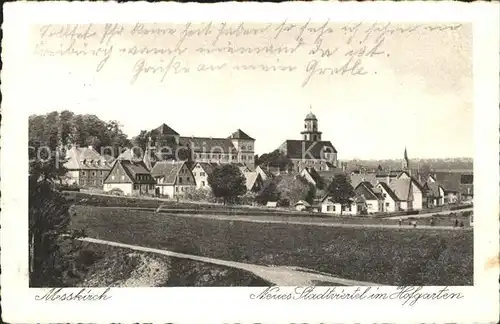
(134, 169)
(366, 190)
(85, 158)
(401, 188)
(207, 167)
(296, 149)
(239, 134)
(167, 169)
(164, 129)
(251, 178)
(389, 191)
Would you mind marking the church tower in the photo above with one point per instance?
(406, 162)
(310, 132)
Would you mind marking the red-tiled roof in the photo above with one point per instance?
(297, 149)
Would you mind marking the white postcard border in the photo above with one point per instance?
(480, 303)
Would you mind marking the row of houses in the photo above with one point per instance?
(391, 191)
(127, 174)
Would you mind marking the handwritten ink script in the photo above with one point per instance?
(406, 295)
(155, 52)
(84, 294)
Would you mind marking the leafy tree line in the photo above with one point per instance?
(56, 129)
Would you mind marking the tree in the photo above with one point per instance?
(64, 129)
(341, 191)
(52, 245)
(268, 192)
(275, 159)
(291, 189)
(227, 182)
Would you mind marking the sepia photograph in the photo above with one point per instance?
(233, 172)
(283, 161)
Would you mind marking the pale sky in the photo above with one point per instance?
(417, 94)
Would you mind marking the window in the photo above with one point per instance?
(387, 204)
(233, 157)
(82, 182)
(329, 208)
(243, 147)
(385, 195)
(202, 174)
(203, 183)
(83, 173)
(176, 189)
(180, 179)
(244, 157)
(136, 186)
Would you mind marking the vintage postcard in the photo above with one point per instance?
(250, 163)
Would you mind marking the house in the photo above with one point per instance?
(310, 151)
(172, 178)
(458, 186)
(254, 181)
(201, 171)
(236, 148)
(391, 202)
(434, 194)
(272, 204)
(131, 177)
(373, 197)
(320, 179)
(86, 167)
(302, 205)
(264, 174)
(401, 194)
(330, 206)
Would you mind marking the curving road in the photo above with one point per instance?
(278, 275)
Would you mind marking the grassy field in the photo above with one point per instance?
(258, 212)
(385, 256)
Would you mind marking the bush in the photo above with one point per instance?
(197, 194)
(116, 192)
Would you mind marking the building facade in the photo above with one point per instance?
(173, 178)
(131, 178)
(311, 150)
(86, 168)
(236, 148)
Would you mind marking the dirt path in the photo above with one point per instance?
(445, 212)
(278, 275)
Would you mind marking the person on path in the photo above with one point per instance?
(432, 221)
(400, 221)
(456, 223)
(414, 224)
